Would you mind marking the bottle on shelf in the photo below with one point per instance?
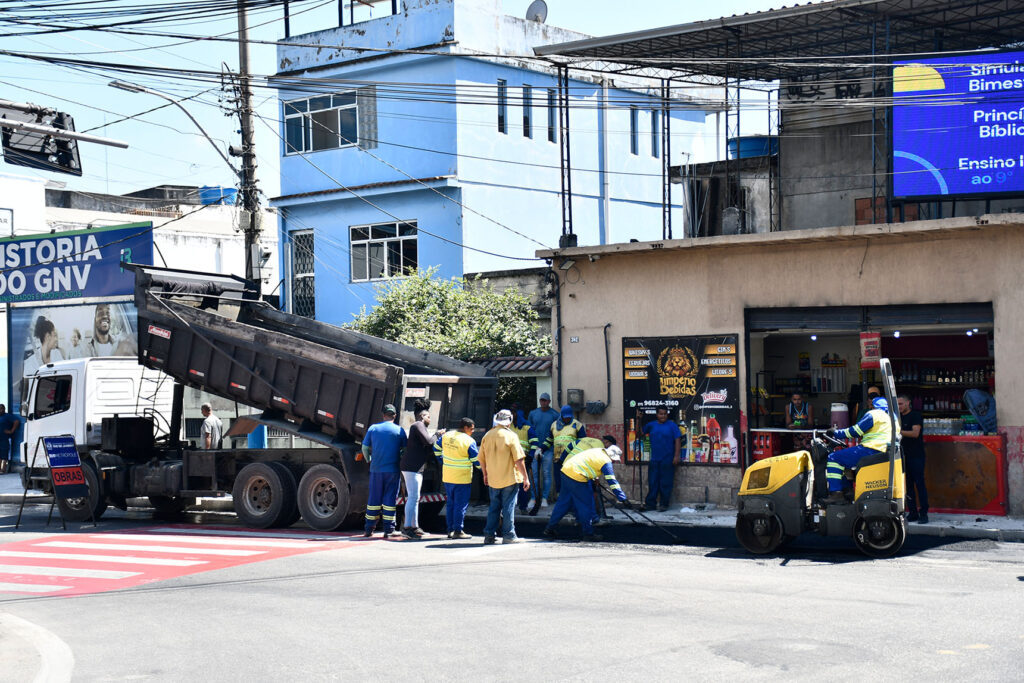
(631, 441)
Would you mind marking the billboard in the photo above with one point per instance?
(73, 265)
(958, 126)
(697, 380)
(46, 334)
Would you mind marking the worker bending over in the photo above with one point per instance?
(578, 471)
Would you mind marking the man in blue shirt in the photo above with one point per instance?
(665, 442)
(7, 421)
(541, 420)
(382, 448)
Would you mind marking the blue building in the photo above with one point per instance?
(430, 138)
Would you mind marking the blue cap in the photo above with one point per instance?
(880, 404)
(567, 413)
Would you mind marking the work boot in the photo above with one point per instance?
(923, 518)
(912, 517)
(549, 533)
(834, 497)
(593, 538)
(409, 532)
(489, 540)
(388, 533)
(663, 508)
(367, 533)
(460, 534)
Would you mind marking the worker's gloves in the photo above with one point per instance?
(830, 433)
(538, 452)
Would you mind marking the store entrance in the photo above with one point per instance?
(805, 371)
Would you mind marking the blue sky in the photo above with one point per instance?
(164, 146)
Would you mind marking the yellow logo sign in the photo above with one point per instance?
(677, 372)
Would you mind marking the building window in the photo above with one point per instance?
(321, 122)
(303, 281)
(527, 111)
(634, 133)
(383, 250)
(552, 115)
(502, 106)
(655, 130)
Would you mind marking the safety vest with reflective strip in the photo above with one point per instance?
(584, 444)
(589, 465)
(526, 440)
(562, 437)
(458, 456)
(874, 430)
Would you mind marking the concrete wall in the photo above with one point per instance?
(702, 287)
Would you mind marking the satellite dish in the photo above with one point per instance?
(537, 11)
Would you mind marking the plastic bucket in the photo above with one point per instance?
(840, 416)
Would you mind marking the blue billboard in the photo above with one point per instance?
(73, 265)
(958, 126)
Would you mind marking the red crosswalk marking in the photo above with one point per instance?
(77, 564)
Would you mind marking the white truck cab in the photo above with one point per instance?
(73, 397)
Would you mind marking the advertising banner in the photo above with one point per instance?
(697, 380)
(45, 334)
(73, 265)
(958, 125)
(870, 350)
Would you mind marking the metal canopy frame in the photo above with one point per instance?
(805, 40)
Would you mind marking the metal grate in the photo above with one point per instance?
(303, 269)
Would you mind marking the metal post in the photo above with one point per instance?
(287, 21)
(565, 158)
(250, 196)
(666, 180)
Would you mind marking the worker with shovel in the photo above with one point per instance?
(578, 471)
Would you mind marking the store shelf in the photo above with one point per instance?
(942, 358)
(953, 385)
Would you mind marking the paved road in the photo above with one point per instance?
(456, 610)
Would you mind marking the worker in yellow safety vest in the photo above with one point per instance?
(564, 431)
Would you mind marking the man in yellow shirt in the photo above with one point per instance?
(458, 454)
(504, 468)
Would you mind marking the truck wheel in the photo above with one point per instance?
(324, 497)
(169, 506)
(260, 495)
(291, 515)
(89, 507)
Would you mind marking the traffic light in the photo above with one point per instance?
(39, 150)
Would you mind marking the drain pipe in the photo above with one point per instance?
(553, 278)
(607, 367)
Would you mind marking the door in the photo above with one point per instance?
(52, 411)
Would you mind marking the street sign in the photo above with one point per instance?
(65, 467)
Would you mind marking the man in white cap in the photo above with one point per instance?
(541, 420)
(503, 464)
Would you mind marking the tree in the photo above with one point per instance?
(463, 319)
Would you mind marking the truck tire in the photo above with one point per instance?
(90, 507)
(169, 506)
(291, 515)
(260, 495)
(324, 497)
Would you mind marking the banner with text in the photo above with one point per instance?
(73, 265)
(697, 380)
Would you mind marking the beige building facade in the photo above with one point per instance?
(707, 286)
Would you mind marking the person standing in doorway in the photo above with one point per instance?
(212, 430)
(799, 415)
(382, 448)
(665, 444)
(541, 419)
(912, 445)
(503, 464)
(414, 460)
(459, 455)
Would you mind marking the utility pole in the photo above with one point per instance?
(250, 196)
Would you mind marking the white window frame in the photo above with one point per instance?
(288, 114)
(386, 242)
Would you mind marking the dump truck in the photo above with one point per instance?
(322, 383)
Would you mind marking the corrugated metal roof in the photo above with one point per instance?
(809, 38)
(503, 365)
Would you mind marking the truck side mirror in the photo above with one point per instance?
(30, 416)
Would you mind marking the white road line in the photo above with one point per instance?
(150, 548)
(57, 660)
(29, 587)
(248, 534)
(119, 559)
(270, 543)
(36, 570)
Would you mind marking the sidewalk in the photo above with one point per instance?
(946, 525)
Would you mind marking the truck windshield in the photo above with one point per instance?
(53, 395)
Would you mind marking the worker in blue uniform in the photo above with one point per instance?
(528, 440)
(541, 419)
(382, 448)
(666, 441)
(875, 433)
(565, 430)
(577, 472)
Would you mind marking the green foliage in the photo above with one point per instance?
(464, 320)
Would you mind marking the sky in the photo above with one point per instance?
(166, 148)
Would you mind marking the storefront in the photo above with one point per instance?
(797, 303)
(816, 358)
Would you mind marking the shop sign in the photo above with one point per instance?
(870, 350)
(65, 467)
(73, 265)
(696, 380)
